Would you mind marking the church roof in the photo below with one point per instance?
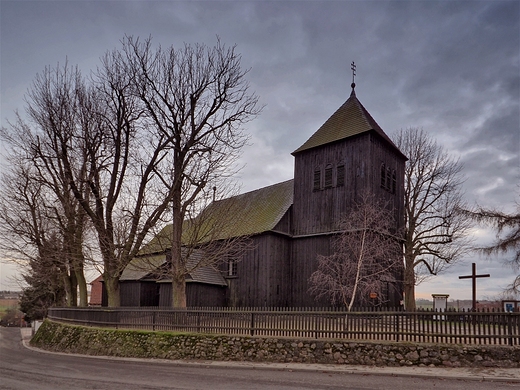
(349, 120)
(260, 210)
(149, 268)
(246, 214)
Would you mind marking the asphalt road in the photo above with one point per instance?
(23, 368)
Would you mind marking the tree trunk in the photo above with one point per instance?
(73, 289)
(112, 288)
(178, 268)
(67, 286)
(179, 292)
(82, 284)
(409, 283)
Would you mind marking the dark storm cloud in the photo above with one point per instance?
(449, 67)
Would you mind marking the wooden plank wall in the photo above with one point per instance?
(321, 210)
(262, 275)
(304, 263)
(130, 292)
(205, 295)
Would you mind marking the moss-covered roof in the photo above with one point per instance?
(259, 211)
(141, 268)
(246, 214)
(349, 120)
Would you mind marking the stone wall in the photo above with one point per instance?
(168, 345)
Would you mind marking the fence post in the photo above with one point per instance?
(153, 320)
(252, 323)
(510, 327)
(397, 327)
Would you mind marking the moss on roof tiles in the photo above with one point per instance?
(140, 267)
(259, 210)
(247, 214)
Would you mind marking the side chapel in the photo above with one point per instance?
(292, 222)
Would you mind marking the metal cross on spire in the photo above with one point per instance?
(353, 67)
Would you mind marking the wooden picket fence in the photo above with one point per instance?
(425, 326)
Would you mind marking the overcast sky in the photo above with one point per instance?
(449, 67)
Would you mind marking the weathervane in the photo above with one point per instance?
(353, 67)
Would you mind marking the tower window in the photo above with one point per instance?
(328, 176)
(340, 175)
(317, 179)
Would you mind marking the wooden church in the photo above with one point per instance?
(292, 222)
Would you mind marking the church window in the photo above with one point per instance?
(328, 176)
(232, 268)
(340, 175)
(394, 182)
(317, 179)
(388, 179)
(383, 175)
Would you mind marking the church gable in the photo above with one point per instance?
(350, 120)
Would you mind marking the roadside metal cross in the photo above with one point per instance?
(474, 277)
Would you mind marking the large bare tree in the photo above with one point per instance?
(148, 133)
(38, 206)
(435, 234)
(31, 236)
(367, 259)
(197, 98)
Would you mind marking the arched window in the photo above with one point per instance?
(388, 179)
(340, 175)
(317, 179)
(328, 176)
(383, 175)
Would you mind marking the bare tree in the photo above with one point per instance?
(32, 238)
(148, 134)
(507, 227)
(435, 229)
(367, 258)
(197, 99)
(119, 186)
(35, 153)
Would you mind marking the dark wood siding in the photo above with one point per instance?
(318, 211)
(263, 274)
(130, 293)
(149, 294)
(139, 293)
(205, 295)
(382, 153)
(197, 295)
(305, 253)
(165, 294)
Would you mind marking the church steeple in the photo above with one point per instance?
(349, 120)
